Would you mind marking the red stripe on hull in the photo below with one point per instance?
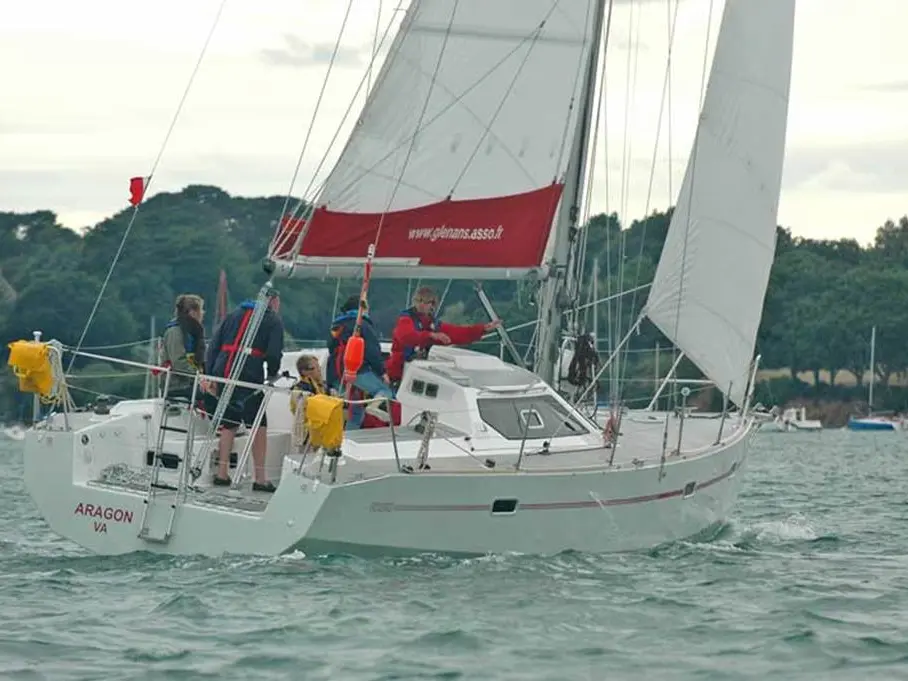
(507, 231)
(563, 505)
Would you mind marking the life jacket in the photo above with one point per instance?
(233, 347)
(188, 345)
(340, 334)
(413, 352)
(307, 384)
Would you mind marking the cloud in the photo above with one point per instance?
(871, 167)
(301, 53)
(890, 86)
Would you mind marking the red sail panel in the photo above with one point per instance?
(507, 231)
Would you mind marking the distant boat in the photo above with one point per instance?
(792, 420)
(875, 423)
(871, 422)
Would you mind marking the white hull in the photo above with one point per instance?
(570, 498)
(809, 426)
(595, 511)
(792, 420)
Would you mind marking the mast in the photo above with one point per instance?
(595, 302)
(557, 291)
(872, 368)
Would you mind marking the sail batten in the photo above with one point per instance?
(466, 132)
(708, 292)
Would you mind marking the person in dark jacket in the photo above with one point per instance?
(371, 378)
(183, 345)
(223, 351)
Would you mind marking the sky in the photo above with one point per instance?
(97, 83)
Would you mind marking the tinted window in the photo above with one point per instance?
(538, 417)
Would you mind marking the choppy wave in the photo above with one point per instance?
(807, 581)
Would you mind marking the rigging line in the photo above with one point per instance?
(115, 346)
(693, 166)
(600, 103)
(619, 365)
(422, 114)
(577, 74)
(308, 193)
(318, 103)
(548, 294)
(441, 301)
(501, 103)
(363, 172)
(671, 31)
(374, 48)
(148, 181)
(649, 192)
(583, 69)
(622, 207)
(625, 161)
(609, 310)
(337, 289)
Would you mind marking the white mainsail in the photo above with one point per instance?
(708, 291)
(477, 99)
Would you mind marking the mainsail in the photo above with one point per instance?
(707, 295)
(461, 149)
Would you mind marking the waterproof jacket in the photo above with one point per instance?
(268, 345)
(179, 352)
(341, 331)
(412, 338)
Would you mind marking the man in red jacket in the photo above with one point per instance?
(418, 329)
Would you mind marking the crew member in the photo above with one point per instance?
(310, 381)
(418, 329)
(372, 378)
(224, 351)
(183, 345)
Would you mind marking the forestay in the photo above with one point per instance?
(708, 292)
(461, 149)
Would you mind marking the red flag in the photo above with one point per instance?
(136, 190)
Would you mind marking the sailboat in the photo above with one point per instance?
(469, 161)
(871, 422)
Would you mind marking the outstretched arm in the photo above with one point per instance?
(465, 334)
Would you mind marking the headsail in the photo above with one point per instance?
(708, 292)
(461, 149)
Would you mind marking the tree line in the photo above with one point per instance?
(823, 299)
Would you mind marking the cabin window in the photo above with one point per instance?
(431, 389)
(417, 387)
(504, 507)
(531, 419)
(536, 417)
(689, 489)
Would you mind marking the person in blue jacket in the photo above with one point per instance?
(223, 352)
(372, 377)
